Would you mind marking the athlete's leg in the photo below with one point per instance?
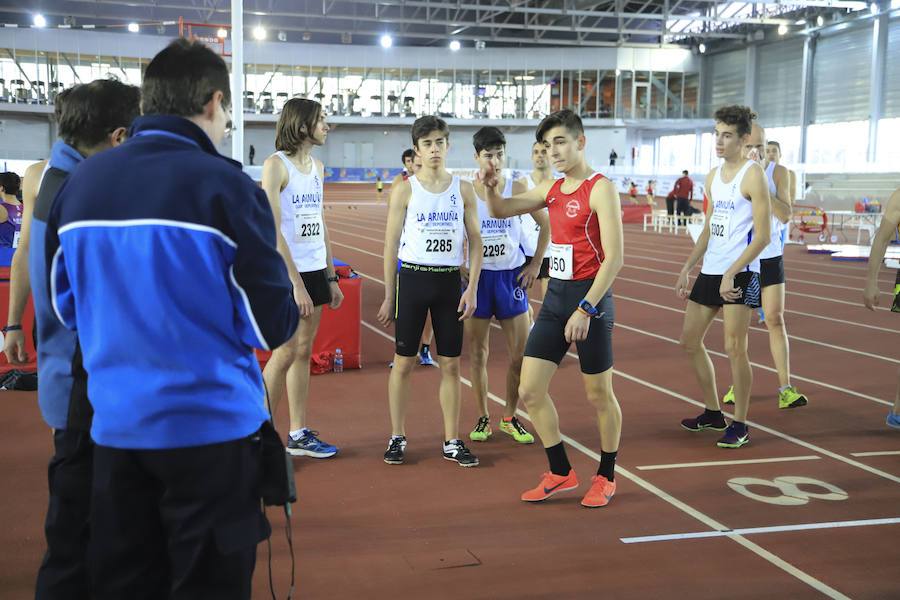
(398, 392)
(298, 372)
(737, 323)
(697, 319)
(600, 393)
(412, 308)
(450, 394)
(478, 336)
(533, 387)
(773, 307)
(515, 332)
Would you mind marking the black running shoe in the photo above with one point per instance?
(456, 451)
(395, 449)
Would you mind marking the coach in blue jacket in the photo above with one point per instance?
(162, 258)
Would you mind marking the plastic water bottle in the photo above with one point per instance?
(338, 361)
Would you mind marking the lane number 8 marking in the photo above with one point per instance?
(789, 486)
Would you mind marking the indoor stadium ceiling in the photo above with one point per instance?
(433, 22)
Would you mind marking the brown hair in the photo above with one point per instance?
(182, 78)
(741, 117)
(562, 118)
(425, 125)
(295, 125)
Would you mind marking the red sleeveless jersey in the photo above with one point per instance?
(574, 225)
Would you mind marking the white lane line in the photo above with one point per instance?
(684, 398)
(756, 530)
(817, 382)
(675, 502)
(668, 287)
(720, 463)
(671, 289)
(789, 260)
(884, 453)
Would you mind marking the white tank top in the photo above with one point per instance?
(530, 228)
(434, 230)
(778, 229)
(301, 217)
(501, 238)
(731, 225)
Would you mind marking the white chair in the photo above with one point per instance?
(869, 228)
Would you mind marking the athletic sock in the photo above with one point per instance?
(299, 433)
(782, 388)
(559, 462)
(607, 466)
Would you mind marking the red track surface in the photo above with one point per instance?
(429, 529)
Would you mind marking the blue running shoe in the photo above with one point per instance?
(310, 445)
(735, 437)
(425, 359)
(893, 420)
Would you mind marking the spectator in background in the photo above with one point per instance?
(164, 262)
(10, 209)
(681, 197)
(612, 157)
(651, 193)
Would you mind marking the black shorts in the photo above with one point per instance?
(423, 289)
(544, 273)
(771, 271)
(547, 339)
(317, 286)
(706, 290)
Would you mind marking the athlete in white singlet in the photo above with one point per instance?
(502, 290)
(737, 229)
(435, 213)
(771, 265)
(293, 182)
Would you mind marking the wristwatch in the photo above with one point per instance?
(332, 279)
(587, 307)
(9, 328)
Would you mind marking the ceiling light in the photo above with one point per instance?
(222, 33)
(259, 33)
(800, 22)
(702, 48)
(820, 20)
(39, 21)
(782, 29)
(134, 27)
(455, 45)
(387, 41)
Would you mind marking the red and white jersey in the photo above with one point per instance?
(575, 250)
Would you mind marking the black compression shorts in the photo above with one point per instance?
(423, 289)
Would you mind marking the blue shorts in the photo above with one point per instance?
(500, 296)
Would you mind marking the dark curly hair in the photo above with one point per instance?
(741, 117)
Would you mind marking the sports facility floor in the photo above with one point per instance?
(810, 508)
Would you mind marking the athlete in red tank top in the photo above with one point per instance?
(573, 223)
(578, 306)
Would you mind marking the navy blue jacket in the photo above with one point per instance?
(162, 257)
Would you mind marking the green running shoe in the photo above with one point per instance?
(728, 398)
(482, 430)
(515, 429)
(791, 398)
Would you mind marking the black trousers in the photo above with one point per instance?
(63, 574)
(176, 524)
(670, 206)
(683, 208)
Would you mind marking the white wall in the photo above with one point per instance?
(389, 143)
(24, 137)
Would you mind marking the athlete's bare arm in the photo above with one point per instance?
(337, 296)
(781, 201)
(889, 223)
(274, 179)
(473, 233)
(605, 203)
(524, 202)
(682, 290)
(756, 187)
(397, 205)
(19, 277)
